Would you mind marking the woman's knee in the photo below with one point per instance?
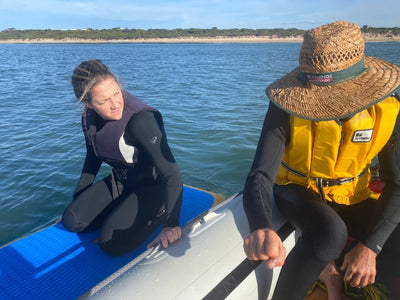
(72, 223)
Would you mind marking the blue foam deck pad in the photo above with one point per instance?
(56, 264)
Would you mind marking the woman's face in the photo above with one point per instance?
(107, 100)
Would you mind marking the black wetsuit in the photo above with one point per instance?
(137, 197)
(325, 228)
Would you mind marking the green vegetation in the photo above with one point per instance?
(131, 34)
(385, 31)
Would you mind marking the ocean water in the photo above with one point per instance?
(211, 96)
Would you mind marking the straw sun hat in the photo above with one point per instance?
(334, 78)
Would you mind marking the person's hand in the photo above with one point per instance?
(265, 244)
(359, 265)
(167, 236)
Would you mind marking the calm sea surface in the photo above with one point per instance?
(211, 96)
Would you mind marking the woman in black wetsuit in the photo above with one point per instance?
(144, 188)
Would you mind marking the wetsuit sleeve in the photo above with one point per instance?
(90, 169)
(150, 136)
(257, 193)
(389, 160)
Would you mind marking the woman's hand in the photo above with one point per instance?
(167, 236)
(360, 266)
(265, 244)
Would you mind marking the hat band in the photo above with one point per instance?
(331, 78)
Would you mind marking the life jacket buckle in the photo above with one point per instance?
(337, 181)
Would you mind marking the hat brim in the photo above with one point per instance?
(317, 102)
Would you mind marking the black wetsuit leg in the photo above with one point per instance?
(125, 220)
(323, 237)
(88, 210)
(132, 221)
(388, 263)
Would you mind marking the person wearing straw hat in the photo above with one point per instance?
(327, 120)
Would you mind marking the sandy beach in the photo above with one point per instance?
(220, 39)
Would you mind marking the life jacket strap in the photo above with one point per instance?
(323, 182)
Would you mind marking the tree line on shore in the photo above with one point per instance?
(129, 34)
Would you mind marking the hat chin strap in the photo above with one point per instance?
(331, 78)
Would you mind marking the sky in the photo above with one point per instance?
(172, 14)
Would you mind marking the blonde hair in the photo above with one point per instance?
(86, 75)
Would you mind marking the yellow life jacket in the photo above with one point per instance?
(332, 158)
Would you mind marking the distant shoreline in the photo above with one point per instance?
(220, 39)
